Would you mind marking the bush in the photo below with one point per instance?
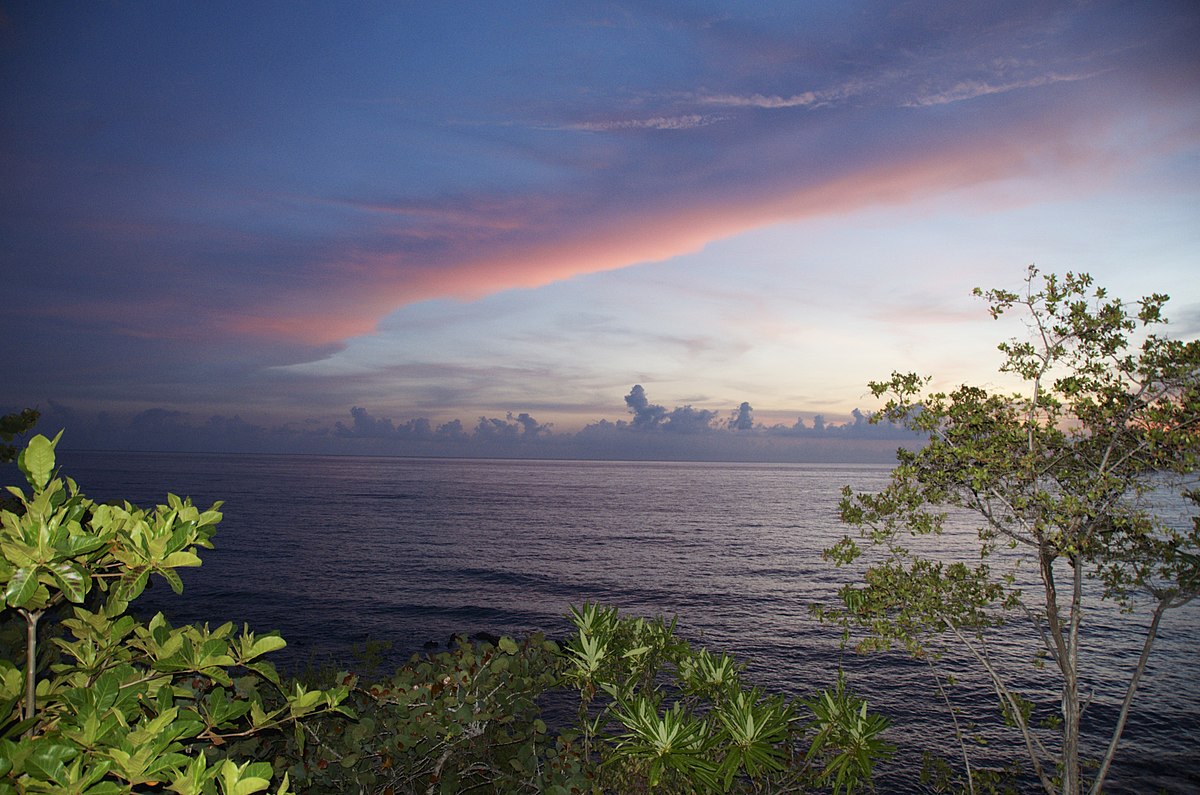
(653, 714)
(118, 705)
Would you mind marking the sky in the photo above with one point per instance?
(647, 230)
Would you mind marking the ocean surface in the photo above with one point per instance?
(334, 551)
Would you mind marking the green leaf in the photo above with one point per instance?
(258, 716)
(22, 586)
(131, 587)
(184, 558)
(266, 670)
(172, 579)
(244, 779)
(36, 461)
(265, 645)
(48, 759)
(71, 579)
(105, 691)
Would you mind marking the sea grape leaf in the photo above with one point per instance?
(22, 586)
(71, 579)
(266, 645)
(36, 461)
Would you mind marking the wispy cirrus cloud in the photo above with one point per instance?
(730, 101)
(804, 99)
(971, 89)
(892, 85)
(800, 99)
(687, 121)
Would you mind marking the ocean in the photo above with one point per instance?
(336, 551)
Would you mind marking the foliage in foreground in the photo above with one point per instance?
(118, 705)
(115, 705)
(1057, 477)
(653, 714)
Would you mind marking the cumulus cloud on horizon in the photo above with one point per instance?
(652, 432)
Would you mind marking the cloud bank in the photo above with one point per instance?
(652, 432)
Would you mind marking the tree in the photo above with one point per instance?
(1057, 477)
(12, 426)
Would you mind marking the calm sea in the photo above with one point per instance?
(334, 551)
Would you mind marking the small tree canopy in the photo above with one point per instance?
(1057, 475)
(12, 426)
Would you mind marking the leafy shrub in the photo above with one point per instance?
(451, 722)
(653, 714)
(118, 705)
(717, 734)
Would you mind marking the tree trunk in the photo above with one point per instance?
(31, 622)
(1151, 634)
(1070, 734)
(1065, 637)
(1072, 783)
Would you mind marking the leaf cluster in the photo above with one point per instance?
(467, 719)
(654, 715)
(118, 705)
(661, 715)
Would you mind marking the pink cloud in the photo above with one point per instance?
(482, 246)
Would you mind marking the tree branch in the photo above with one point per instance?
(1151, 633)
(1033, 745)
